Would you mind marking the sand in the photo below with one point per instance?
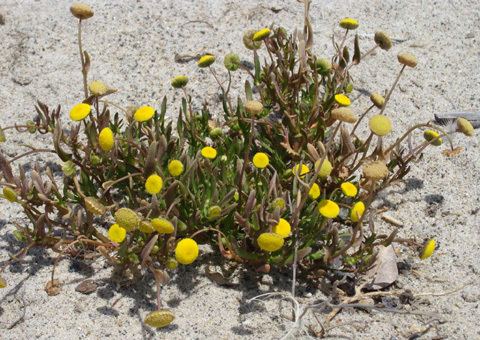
(133, 44)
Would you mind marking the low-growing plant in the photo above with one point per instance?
(282, 178)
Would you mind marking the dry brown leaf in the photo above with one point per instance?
(86, 287)
(53, 287)
(452, 153)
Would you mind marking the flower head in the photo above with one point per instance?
(80, 112)
(325, 169)
(261, 34)
(253, 107)
(162, 225)
(377, 99)
(278, 203)
(127, 218)
(270, 242)
(342, 100)
(357, 211)
(159, 318)
(349, 189)
(186, 251)
(175, 167)
(383, 40)
(209, 152)
(328, 209)
(314, 191)
(348, 23)
(146, 227)
(81, 11)
(323, 66)
(380, 125)
(116, 233)
(428, 249)
(179, 81)
(300, 171)
(171, 263)
(433, 137)
(248, 40)
(283, 228)
(375, 170)
(106, 139)
(465, 127)
(98, 88)
(344, 114)
(407, 59)
(231, 62)
(153, 184)
(260, 160)
(214, 212)
(144, 113)
(206, 60)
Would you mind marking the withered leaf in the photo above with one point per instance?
(53, 287)
(86, 287)
(384, 271)
(452, 153)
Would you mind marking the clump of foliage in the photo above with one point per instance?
(281, 179)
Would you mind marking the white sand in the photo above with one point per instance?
(133, 44)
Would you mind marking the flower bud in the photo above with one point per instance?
(159, 318)
(465, 127)
(323, 66)
(383, 40)
(206, 60)
(407, 59)
(179, 81)
(253, 107)
(214, 212)
(81, 11)
(127, 218)
(377, 99)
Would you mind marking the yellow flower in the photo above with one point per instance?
(283, 228)
(159, 318)
(162, 225)
(106, 139)
(175, 167)
(186, 251)
(146, 227)
(314, 192)
(97, 88)
(261, 160)
(342, 100)
(278, 203)
(154, 184)
(325, 169)
(214, 212)
(348, 23)
(261, 34)
(80, 112)
(377, 99)
(433, 137)
(179, 81)
(349, 189)
(209, 152)
(116, 233)
(465, 127)
(357, 211)
(3, 283)
(428, 249)
(270, 241)
(206, 60)
(380, 125)
(300, 172)
(328, 209)
(127, 218)
(144, 113)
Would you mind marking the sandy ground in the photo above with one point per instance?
(132, 44)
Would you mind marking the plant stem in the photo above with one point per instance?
(82, 59)
(387, 98)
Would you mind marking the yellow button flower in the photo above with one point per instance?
(349, 189)
(179, 81)
(348, 23)
(154, 184)
(342, 100)
(270, 242)
(80, 112)
(186, 251)
(116, 233)
(357, 211)
(144, 113)
(261, 34)
(465, 127)
(206, 60)
(209, 152)
(175, 167)
(300, 172)
(428, 249)
(146, 227)
(325, 169)
(261, 160)
(328, 208)
(97, 88)
(162, 225)
(314, 192)
(283, 228)
(159, 318)
(127, 218)
(380, 125)
(278, 203)
(433, 137)
(106, 139)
